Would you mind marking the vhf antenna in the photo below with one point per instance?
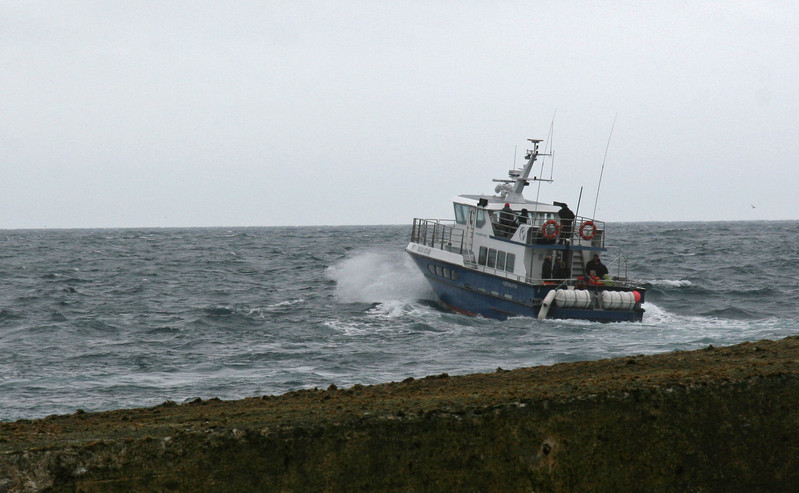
(602, 171)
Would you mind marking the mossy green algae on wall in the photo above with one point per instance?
(711, 420)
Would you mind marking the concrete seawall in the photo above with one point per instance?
(715, 419)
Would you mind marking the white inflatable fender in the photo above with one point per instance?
(548, 299)
(617, 300)
(573, 298)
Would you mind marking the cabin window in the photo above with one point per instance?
(542, 217)
(461, 213)
(510, 262)
(444, 272)
(496, 259)
(492, 258)
(501, 260)
(481, 218)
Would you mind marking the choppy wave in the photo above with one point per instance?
(667, 283)
(120, 318)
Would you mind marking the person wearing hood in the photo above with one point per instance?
(566, 220)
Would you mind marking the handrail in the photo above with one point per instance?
(621, 263)
(566, 231)
(433, 233)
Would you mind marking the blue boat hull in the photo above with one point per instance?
(473, 293)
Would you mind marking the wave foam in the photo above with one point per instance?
(378, 277)
(667, 283)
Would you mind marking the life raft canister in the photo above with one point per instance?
(589, 236)
(555, 231)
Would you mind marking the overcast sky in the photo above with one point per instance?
(172, 113)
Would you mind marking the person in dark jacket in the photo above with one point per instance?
(596, 268)
(546, 268)
(506, 220)
(523, 217)
(560, 271)
(566, 220)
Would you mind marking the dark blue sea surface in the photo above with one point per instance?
(105, 319)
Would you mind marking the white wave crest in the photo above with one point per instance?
(668, 283)
(378, 277)
(286, 303)
(656, 315)
(399, 308)
(348, 328)
(693, 325)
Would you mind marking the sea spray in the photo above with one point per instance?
(378, 277)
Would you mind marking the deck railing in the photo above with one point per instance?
(593, 231)
(436, 234)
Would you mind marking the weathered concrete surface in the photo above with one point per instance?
(716, 419)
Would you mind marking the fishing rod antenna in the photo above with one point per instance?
(602, 171)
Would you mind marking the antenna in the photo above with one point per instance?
(551, 154)
(602, 171)
(550, 141)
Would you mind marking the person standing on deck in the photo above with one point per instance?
(506, 219)
(560, 271)
(546, 268)
(566, 220)
(596, 268)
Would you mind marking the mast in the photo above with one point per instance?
(521, 181)
(511, 189)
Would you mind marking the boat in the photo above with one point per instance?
(505, 256)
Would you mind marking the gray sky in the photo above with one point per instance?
(151, 113)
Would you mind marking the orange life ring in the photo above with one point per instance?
(593, 230)
(555, 232)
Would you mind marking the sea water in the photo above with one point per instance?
(106, 319)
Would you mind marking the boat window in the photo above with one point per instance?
(542, 217)
(492, 258)
(510, 262)
(481, 218)
(460, 213)
(495, 259)
(444, 272)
